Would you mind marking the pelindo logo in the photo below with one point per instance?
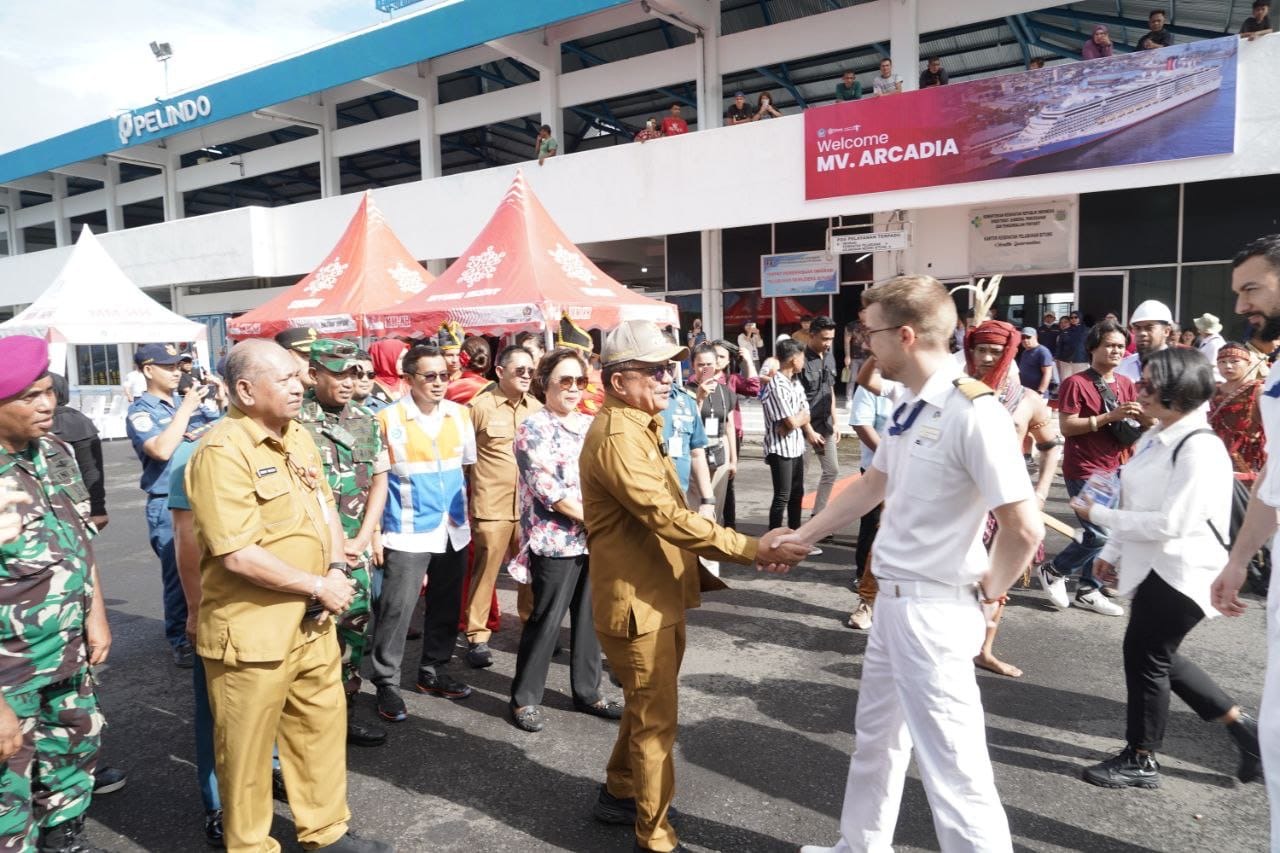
(132, 125)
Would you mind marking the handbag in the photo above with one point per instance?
(1126, 431)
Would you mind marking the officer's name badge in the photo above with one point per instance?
(928, 433)
(263, 472)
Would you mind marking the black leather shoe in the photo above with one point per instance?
(607, 708)
(184, 657)
(1129, 769)
(479, 655)
(1244, 731)
(440, 684)
(355, 844)
(528, 718)
(65, 838)
(213, 829)
(359, 734)
(621, 810)
(278, 790)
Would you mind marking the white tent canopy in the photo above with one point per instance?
(91, 301)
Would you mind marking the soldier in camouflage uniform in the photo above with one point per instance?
(53, 623)
(351, 448)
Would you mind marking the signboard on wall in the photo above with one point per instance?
(1015, 237)
(868, 241)
(1141, 107)
(799, 274)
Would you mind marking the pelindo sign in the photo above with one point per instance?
(1142, 107)
(135, 125)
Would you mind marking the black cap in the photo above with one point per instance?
(298, 340)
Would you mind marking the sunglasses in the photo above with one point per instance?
(432, 377)
(566, 383)
(518, 371)
(657, 372)
(1144, 387)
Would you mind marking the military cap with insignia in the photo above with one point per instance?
(298, 340)
(23, 360)
(157, 354)
(335, 355)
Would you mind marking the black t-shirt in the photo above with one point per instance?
(819, 379)
(1164, 38)
(928, 78)
(719, 404)
(185, 381)
(734, 113)
(1251, 25)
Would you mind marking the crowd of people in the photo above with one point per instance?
(303, 497)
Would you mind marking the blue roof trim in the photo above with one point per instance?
(436, 32)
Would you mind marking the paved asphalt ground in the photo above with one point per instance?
(768, 689)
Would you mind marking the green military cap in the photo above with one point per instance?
(338, 356)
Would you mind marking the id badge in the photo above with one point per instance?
(713, 427)
(675, 447)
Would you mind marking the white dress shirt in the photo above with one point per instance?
(1162, 524)
(956, 461)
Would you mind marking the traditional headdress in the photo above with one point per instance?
(450, 336)
(990, 332)
(571, 335)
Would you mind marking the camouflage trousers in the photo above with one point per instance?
(49, 781)
(353, 627)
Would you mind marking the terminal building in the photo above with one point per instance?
(214, 199)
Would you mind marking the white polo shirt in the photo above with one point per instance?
(1269, 406)
(957, 460)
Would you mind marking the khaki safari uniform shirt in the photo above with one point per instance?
(494, 476)
(248, 487)
(644, 540)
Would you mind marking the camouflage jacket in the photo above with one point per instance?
(350, 445)
(46, 579)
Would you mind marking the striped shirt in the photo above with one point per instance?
(782, 398)
(426, 507)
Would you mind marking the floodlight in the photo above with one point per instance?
(162, 50)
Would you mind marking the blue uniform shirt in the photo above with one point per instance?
(149, 416)
(682, 431)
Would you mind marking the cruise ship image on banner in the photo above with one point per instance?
(1111, 104)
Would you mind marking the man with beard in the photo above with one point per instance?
(989, 351)
(1150, 324)
(1256, 282)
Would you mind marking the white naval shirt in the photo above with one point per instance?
(1269, 406)
(958, 460)
(1162, 524)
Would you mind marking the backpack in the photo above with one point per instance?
(1259, 568)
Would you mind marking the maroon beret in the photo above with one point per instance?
(23, 360)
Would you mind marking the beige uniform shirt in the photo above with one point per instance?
(494, 476)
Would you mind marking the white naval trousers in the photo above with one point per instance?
(918, 689)
(1269, 714)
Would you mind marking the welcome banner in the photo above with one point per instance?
(1166, 104)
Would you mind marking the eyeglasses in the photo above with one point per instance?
(656, 372)
(432, 377)
(568, 382)
(1144, 387)
(885, 329)
(358, 373)
(518, 371)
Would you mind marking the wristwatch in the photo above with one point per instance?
(339, 566)
(708, 501)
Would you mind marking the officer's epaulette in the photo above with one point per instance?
(972, 388)
(195, 432)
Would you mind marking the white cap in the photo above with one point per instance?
(1151, 311)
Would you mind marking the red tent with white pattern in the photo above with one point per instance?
(521, 273)
(368, 269)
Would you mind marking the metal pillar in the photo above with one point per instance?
(712, 283)
(904, 42)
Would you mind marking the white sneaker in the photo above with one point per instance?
(860, 618)
(1097, 602)
(815, 551)
(1054, 585)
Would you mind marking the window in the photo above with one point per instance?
(98, 364)
(684, 261)
(742, 248)
(1207, 288)
(1127, 228)
(1221, 216)
(1160, 284)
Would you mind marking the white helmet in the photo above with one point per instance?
(1151, 311)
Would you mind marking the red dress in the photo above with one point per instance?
(1236, 420)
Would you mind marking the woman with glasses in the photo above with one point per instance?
(554, 546)
(1167, 537)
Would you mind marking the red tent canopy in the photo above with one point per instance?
(522, 272)
(369, 269)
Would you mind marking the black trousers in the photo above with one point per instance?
(402, 574)
(560, 585)
(1158, 621)
(867, 528)
(788, 489)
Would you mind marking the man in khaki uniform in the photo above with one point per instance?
(272, 575)
(644, 544)
(495, 515)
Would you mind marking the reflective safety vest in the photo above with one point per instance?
(425, 481)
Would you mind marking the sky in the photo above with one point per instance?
(69, 63)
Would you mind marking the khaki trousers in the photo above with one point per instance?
(641, 765)
(494, 542)
(299, 704)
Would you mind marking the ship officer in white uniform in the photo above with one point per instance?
(949, 456)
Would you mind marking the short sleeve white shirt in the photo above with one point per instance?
(869, 410)
(1269, 405)
(945, 468)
